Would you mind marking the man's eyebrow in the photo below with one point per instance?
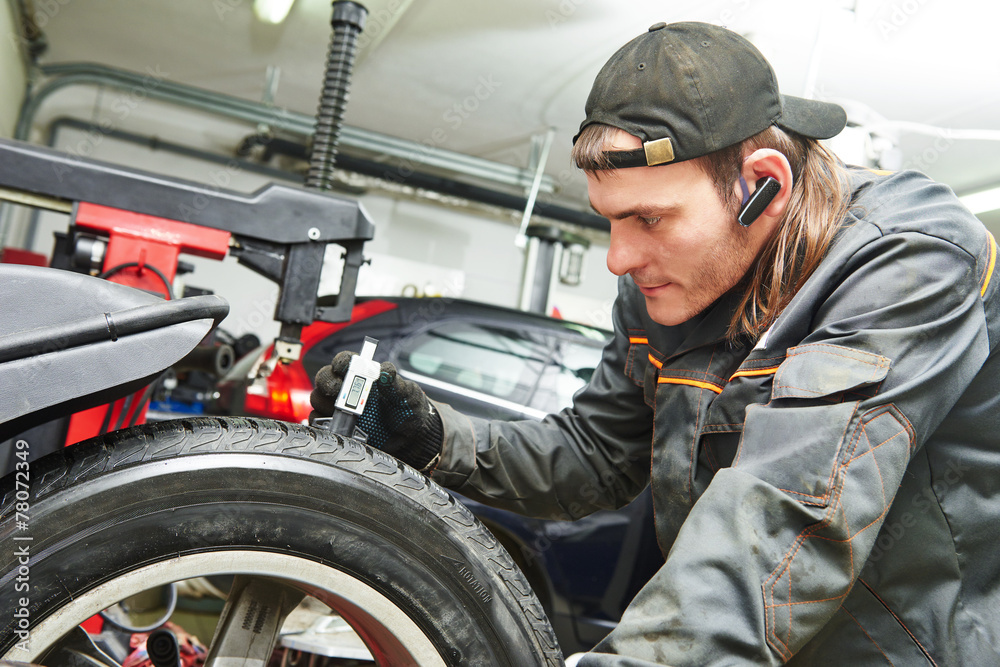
(645, 210)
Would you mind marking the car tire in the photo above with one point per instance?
(173, 500)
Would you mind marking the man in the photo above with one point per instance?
(802, 369)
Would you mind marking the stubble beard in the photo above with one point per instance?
(735, 256)
(731, 258)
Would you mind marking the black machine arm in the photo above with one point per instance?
(294, 223)
(279, 231)
(276, 213)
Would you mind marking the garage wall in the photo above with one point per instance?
(12, 70)
(425, 247)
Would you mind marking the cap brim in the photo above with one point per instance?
(811, 118)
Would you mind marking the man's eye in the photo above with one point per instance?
(649, 221)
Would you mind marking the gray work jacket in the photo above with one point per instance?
(828, 496)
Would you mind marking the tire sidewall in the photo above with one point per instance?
(164, 491)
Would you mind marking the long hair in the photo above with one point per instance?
(819, 201)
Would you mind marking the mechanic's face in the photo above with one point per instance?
(672, 233)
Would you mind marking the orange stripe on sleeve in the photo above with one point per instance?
(749, 373)
(693, 383)
(638, 341)
(992, 265)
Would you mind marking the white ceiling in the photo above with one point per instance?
(518, 67)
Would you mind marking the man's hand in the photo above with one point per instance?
(398, 418)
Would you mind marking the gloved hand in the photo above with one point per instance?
(398, 418)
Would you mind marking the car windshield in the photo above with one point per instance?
(534, 368)
(497, 362)
(569, 369)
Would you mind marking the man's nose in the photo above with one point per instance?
(626, 251)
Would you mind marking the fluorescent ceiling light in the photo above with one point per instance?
(272, 11)
(982, 202)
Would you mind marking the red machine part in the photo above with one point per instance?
(284, 392)
(138, 244)
(137, 241)
(26, 257)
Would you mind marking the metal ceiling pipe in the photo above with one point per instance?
(362, 166)
(255, 113)
(446, 186)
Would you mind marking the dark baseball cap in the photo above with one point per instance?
(690, 89)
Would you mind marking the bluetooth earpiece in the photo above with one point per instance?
(754, 204)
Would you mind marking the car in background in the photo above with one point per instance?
(497, 363)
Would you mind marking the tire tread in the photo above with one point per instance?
(208, 435)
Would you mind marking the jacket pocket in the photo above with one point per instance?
(650, 378)
(636, 360)
(821, 370)
(639, 366)
(794, 444)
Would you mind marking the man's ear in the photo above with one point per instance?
(768, 176)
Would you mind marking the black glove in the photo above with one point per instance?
(398, 418)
